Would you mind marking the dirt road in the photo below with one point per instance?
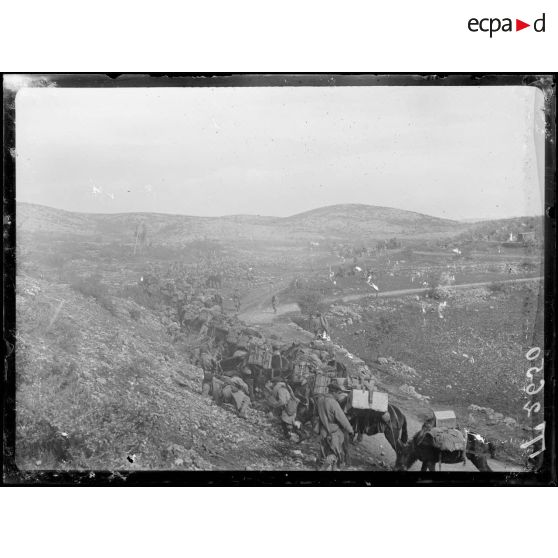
(510, 257)
(403, 292)
(256, 308)
(260, 311)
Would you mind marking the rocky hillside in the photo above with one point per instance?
(335, 222)
(101, 385)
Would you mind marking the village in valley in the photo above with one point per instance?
(168, 342)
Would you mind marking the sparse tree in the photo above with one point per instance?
(310, 302)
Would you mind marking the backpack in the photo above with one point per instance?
(447, 439)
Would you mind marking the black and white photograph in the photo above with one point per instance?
(319, 274)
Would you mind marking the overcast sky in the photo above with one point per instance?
(453, 152)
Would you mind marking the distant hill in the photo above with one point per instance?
(368, 221)
(341, 222)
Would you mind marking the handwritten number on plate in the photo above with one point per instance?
(540, 427)
(534, 408)
(530, 391)
(534, 370)
(533, 353)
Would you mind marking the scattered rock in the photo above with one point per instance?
(400, 370)
(492, 417)
(410, 390)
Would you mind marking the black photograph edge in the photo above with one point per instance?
(545, 475)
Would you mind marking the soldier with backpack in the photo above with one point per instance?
(280, 398)
(334, 429)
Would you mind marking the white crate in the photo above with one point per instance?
(379, 401)
(445, 419)
(359, 399)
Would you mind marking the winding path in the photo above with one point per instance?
(260, 311)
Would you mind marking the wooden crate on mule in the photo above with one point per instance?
(364, 399)
(379, 401)
(445, 419)
(320, 383)
(358, 399)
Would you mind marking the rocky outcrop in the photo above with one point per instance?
(491, 416)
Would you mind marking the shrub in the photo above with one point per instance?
(66, 334)
(138, 367)
(55, 260)
(39, 440)
(438, 293)
(467, 253)
(496, 287)
(143, 297)
(92, 286)
(135, 314)
(434, 279)
(386, 325)
(310, 302)
(384, 328)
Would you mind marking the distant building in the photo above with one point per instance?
(527, 237)
(520, 238)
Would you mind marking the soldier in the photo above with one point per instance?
(233, 391)
(248, 378)
(209, 366)
(321, 326)
(331, 424)
(281, 398)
